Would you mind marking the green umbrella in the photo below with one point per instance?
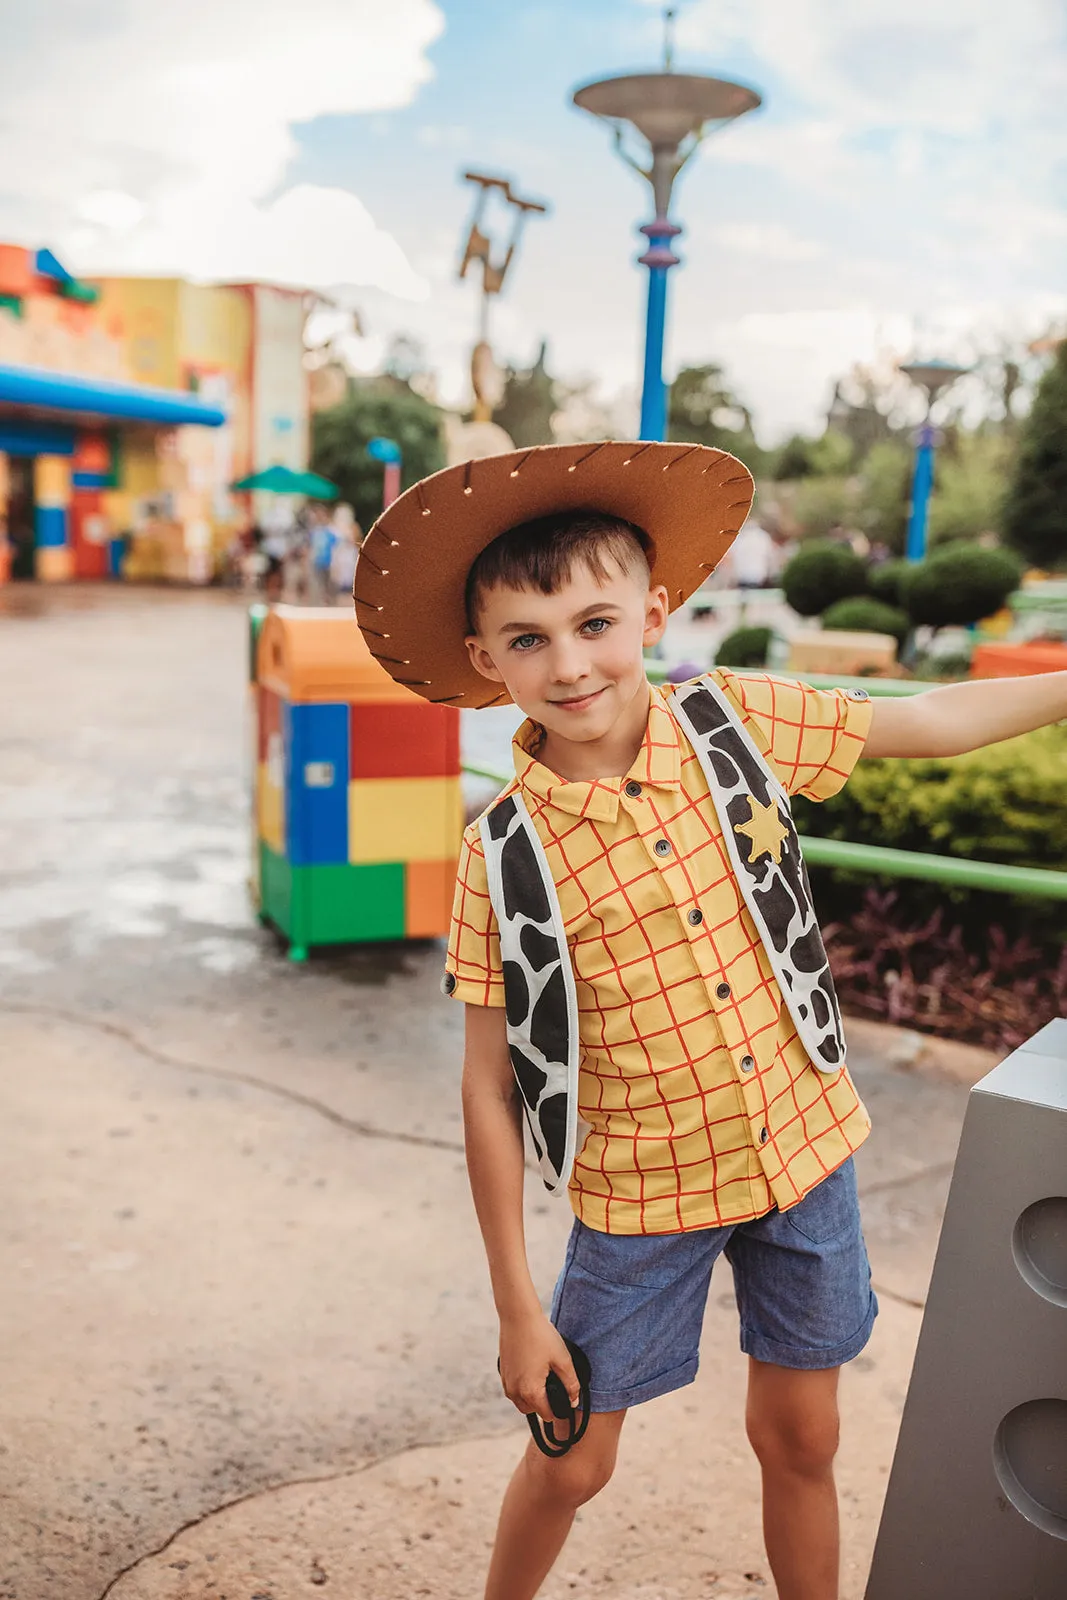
(283, 480)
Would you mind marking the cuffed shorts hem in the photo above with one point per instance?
(665, 1383)
(761, 1348)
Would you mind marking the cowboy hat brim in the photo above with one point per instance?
(412, 573)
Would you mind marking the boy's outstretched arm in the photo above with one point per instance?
(492, 1120)
(965, 716)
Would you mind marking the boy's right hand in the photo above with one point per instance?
(530, 1348)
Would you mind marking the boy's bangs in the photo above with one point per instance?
(542, 555)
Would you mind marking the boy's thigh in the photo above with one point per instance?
(635, 1304)
(803, 1280)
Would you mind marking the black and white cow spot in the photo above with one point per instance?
(524, 890)
(538, 948)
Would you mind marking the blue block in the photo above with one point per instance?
(50, 527)
(316, 742)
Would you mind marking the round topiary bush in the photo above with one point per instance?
(745, 647)
(886, 582)
(960, 584)
(821, 573)
(862, 614)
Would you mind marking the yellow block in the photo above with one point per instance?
(270, 810)
(54, 564)
(404, 819)
(51, 481)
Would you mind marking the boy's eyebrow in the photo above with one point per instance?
(596, 610)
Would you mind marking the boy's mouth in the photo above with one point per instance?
(578, 702)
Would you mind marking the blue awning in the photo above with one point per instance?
(67, 393)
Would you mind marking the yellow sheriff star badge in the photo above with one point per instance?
(765, 829)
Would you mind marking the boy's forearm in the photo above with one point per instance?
(496, 1167)
(965, 716)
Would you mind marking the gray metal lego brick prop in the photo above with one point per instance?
(977, 1501)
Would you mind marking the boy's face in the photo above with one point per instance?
(573, 661)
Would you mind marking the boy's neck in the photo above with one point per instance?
(610, 756)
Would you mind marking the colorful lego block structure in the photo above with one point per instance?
(358, 805)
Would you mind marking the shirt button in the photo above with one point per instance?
(723, 991)
(763, 1136)
(747, 1063)
(633, 789)
(448, 983)
(696, 918)
(662, 847)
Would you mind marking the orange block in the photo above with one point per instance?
(1017, 660)
(429, 887)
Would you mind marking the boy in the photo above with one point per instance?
(635, 945)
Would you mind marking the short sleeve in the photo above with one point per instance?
(473, 972)
(812, 737)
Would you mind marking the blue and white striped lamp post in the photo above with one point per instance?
(934, 377)
(672, 112)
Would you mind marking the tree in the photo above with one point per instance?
(884, 493)
(827, 457)
(530, 402)
(1035, 518)
(703, 410)
(375, 408)
(972, 480)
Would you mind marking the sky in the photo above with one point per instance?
(901, 191)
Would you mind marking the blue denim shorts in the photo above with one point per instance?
(635, 1303)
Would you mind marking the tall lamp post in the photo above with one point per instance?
(934, 377)
(672, 111)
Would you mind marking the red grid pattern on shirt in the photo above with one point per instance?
(675, 1122)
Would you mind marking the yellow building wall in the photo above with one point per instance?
(142, 314)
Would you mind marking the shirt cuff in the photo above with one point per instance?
(851, 738)
(473, 991)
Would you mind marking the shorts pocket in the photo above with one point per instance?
(640, 1261)
(828, 1209)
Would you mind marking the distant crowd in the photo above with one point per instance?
(306, 559)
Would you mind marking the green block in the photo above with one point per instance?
(276, 888)
(337, 904)
(346, 903)
(12, 303)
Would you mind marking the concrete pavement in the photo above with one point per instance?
(247, 1345)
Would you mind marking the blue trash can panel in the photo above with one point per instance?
(316, 783)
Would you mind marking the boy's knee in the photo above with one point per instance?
(574, 1479)
(803, 1444)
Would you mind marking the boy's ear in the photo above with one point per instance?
(657, 610)
(482, 661)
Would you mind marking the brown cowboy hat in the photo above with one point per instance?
(413, 566)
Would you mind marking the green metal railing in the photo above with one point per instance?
(879, 860)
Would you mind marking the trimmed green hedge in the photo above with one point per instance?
(745, 647)
(864, 614)
(1005, 803)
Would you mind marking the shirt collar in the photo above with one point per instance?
(658, 766)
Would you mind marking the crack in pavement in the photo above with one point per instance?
(364, 1130)
(277, 1488)
(901, 1299)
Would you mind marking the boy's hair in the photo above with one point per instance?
(541, 554)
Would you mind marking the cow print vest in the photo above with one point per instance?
(540, 999)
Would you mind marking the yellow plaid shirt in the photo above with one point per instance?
(701, 1104)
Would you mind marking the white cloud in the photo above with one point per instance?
(153, 136)
(769, 240)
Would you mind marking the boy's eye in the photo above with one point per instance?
(525, 641)
(596, 626)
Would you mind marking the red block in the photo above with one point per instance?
(89, 534)
(404, 741)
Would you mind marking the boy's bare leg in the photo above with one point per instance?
(540, 1504)
(792, 1425)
